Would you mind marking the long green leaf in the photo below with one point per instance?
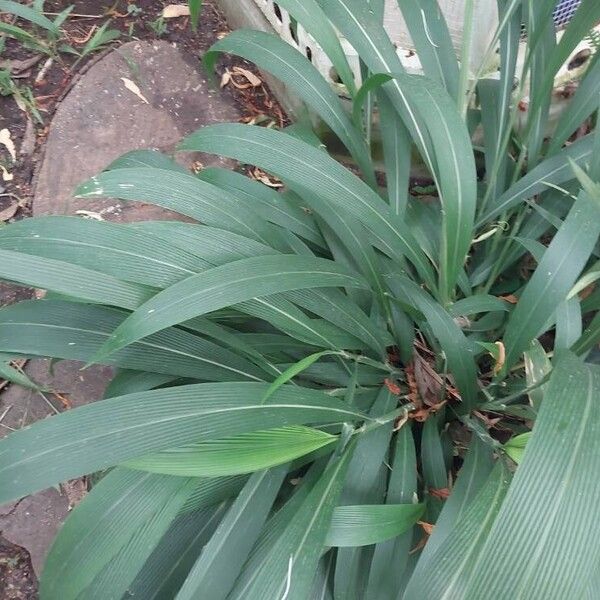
(541, 539)
(444, 142)
(29, 14)
(308, 13)
(10, 373)
(225, 286)
(273, 206)
(222, 558)
(308, 169)
(272, 54)
(556, 274)
(195, 11)
(455, 558)
(76, 331)
(127, 254)
(183, 193)
(429, 33)
(71, 280)
(371, 523)
(472, 477)
(364, 485)
(111, 431)
(390, 558)
(555, 170)
(243, 453)
(169, 564)
(289, 568)
(122, 504)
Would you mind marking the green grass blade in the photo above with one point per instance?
(222, 558)
(29, 14)
(431, 38)
(397, 148)
(555, 171)
(127, 254)
(121, 506)
(183, 193)
(537, 367)
(271, 205)
(71, 280)
(10, 373)
(539, 538)
(556, 274)
(225, 286)
(364, 485)
(292, 68)
(169, 564)
(308, 169)
(289, 568)
(236, 455)
(76, 331)
(568, 324)
(294, 370)
(390, 558)
(456, 556)
(371, 523)
(195, 11)
(111, 431)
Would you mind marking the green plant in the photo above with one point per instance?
(46, 34)
(101, 38)
(158, 26)
(310, 381)
(23, 95)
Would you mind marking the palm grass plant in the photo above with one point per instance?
(336, 391)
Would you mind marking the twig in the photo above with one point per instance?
(5, 413)
(75, 15)
(54, 409)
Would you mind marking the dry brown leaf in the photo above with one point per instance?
(392, 386)
(510, 298)
(6, 140)
(16, 67)
(132, 87)
(253, 79)
(225, 78)
(75, 490)
(175, 10)
(427, 527)
(442, 493)
(266, 179)
(429, 383)
(9, 212)
(6, 175)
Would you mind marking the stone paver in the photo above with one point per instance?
(100, 119)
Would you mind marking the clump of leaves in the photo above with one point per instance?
(316, 390)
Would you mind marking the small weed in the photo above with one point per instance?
(159, 26)
(23, 95)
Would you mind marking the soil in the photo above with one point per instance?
(17, 578)
(28, 135)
